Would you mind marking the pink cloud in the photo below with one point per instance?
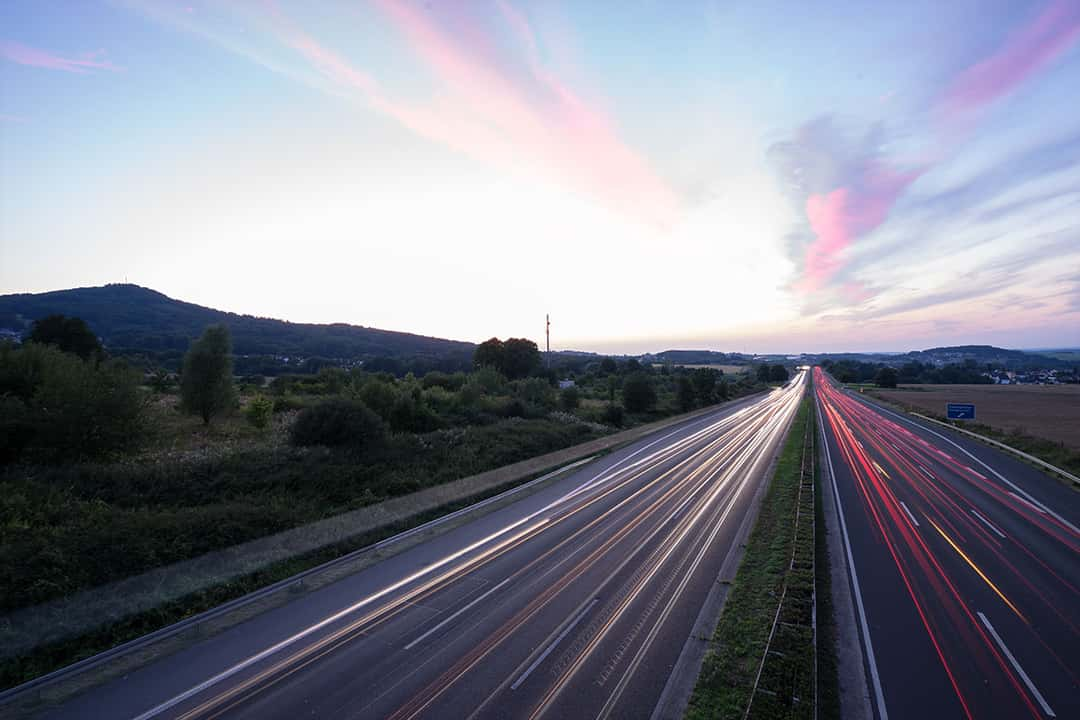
(1028, 50)
(542, 120)
(25, 55)
(843, 215)
(501, 106)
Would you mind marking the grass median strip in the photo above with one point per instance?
(739, 643)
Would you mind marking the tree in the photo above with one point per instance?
(608, 366)
(704, 380)
(489, 354)
(885, 378)
(520, 359)
(684, 393)
(570, 398)
(778, 373)
(639, 395)
(70, 334)
(206, 384)
(763, 373)
(64, 407)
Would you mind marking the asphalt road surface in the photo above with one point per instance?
(967, 566)
(574, 602)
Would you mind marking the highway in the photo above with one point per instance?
(966, 567)
(573, 602)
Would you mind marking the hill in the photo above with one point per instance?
(133, 320)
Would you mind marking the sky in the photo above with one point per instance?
(738, 176)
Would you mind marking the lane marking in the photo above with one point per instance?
(909, 514)
(926, 472)
(457, 614)
(1031, 500)
(296, 637)
(528, 671)
(1030, 504)
(988, 524)
(975, 567)
(1016, 666)
(879, 696)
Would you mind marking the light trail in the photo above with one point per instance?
(888, 463)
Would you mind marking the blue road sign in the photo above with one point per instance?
(960, 411)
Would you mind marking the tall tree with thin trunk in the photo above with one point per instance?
(206, 383)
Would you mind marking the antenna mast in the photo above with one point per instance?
(547, 335)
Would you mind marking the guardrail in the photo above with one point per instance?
(1003, 446)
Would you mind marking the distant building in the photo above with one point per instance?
(563, 384)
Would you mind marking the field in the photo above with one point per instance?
(1051, 412)
(726, 369)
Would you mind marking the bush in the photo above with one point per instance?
(380, 396)
(338, 423)
(285, 403)
(570, 398)
(536, 391)
(259, 411)
(66, 408)
(613, 414)
(410, 414)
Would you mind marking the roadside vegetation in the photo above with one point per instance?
(108, 471)
(738, 646)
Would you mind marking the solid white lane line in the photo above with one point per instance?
(1030, 504)
(1016, 666)
(910, 516)
(554, 643)
(457, 614)
(988, 524)
(871, 661)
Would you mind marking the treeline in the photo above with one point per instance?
(854, 371)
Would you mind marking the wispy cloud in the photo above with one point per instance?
(34, 57)
(494, 99)
(1028, 50)
(844, 214)
(530, 113)
(849, 189)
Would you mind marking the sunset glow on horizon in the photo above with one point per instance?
(757, 177)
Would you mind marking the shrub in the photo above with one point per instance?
(338, 423)
(536, 391)
(67, 408)
(85, 409)
(439, 379)
(570, 398)
(259, 411)
(613, 414)
(410, 414)
(285, 403)
(379, 395)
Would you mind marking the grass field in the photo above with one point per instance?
(726, 369)
(1051, 412)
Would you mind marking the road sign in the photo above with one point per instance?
(960, 411)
